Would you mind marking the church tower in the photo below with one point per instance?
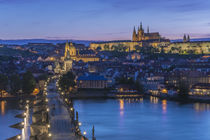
(188, 38)
(68, 62)
(141, 33)
(184, 38)
(66, 49)
(134, 35)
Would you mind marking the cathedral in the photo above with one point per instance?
(140, 35)
(80, 55)
(72, 54)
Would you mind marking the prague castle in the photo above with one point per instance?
(140, 35)
(139, 38)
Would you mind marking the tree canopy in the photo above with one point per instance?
(67, 80)
(28, 83)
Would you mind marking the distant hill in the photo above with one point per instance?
(196, 39)
(4, 51)
(26, 41)
(85, 42)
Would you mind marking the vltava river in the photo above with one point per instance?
(144, 119)
(8, 110)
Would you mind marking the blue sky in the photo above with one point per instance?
(102, 19)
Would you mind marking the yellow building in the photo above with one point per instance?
(140, 35)
(199, 47)
(140, 39)
(77, 55)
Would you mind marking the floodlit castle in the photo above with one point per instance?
(140, 35)
(139, 38)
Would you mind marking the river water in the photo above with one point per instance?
(129, 119)
(8, 110)
(144, 119)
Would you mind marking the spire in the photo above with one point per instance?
(148, 29)
(66, 48)
(134, 38)
(141, 26)
(188, 38)
(184, 38)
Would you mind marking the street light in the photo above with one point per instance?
(84, 132)
(49, 134)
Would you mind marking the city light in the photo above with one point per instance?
(49, 134)
(84, 132)
(80, 123)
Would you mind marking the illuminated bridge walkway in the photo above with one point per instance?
(60, 121)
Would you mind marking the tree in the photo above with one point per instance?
(106, 47)
(98, 48)
(3, 83)
(139, 86)
(137, 48)
(183, 88)
(67, 81)
(15, 84)
(28, 83)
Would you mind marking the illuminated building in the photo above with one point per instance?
(201, 89)
(139, 38)
(142, 36)
(91, 82)
(77, 55)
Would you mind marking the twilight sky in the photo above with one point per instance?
(102, 19)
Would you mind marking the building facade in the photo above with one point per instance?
(141, 35)
(92, 82)
(76, 55)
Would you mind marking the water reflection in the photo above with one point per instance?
(199, 107)
(121, 107)
(166, 121)
(154, 100)
(134, 100)
(164, 106)
(3, 103)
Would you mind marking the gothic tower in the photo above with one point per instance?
(68, 62)
(134, 35)
(141, 33)
(188, 38)
(184, 38)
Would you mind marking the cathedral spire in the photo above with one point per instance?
(184, 38)
(148, 29)
(188, 38)
(134, 38)
(66, 48)
(141, 26)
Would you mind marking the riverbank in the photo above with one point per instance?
(187, 99)
(104, 94)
